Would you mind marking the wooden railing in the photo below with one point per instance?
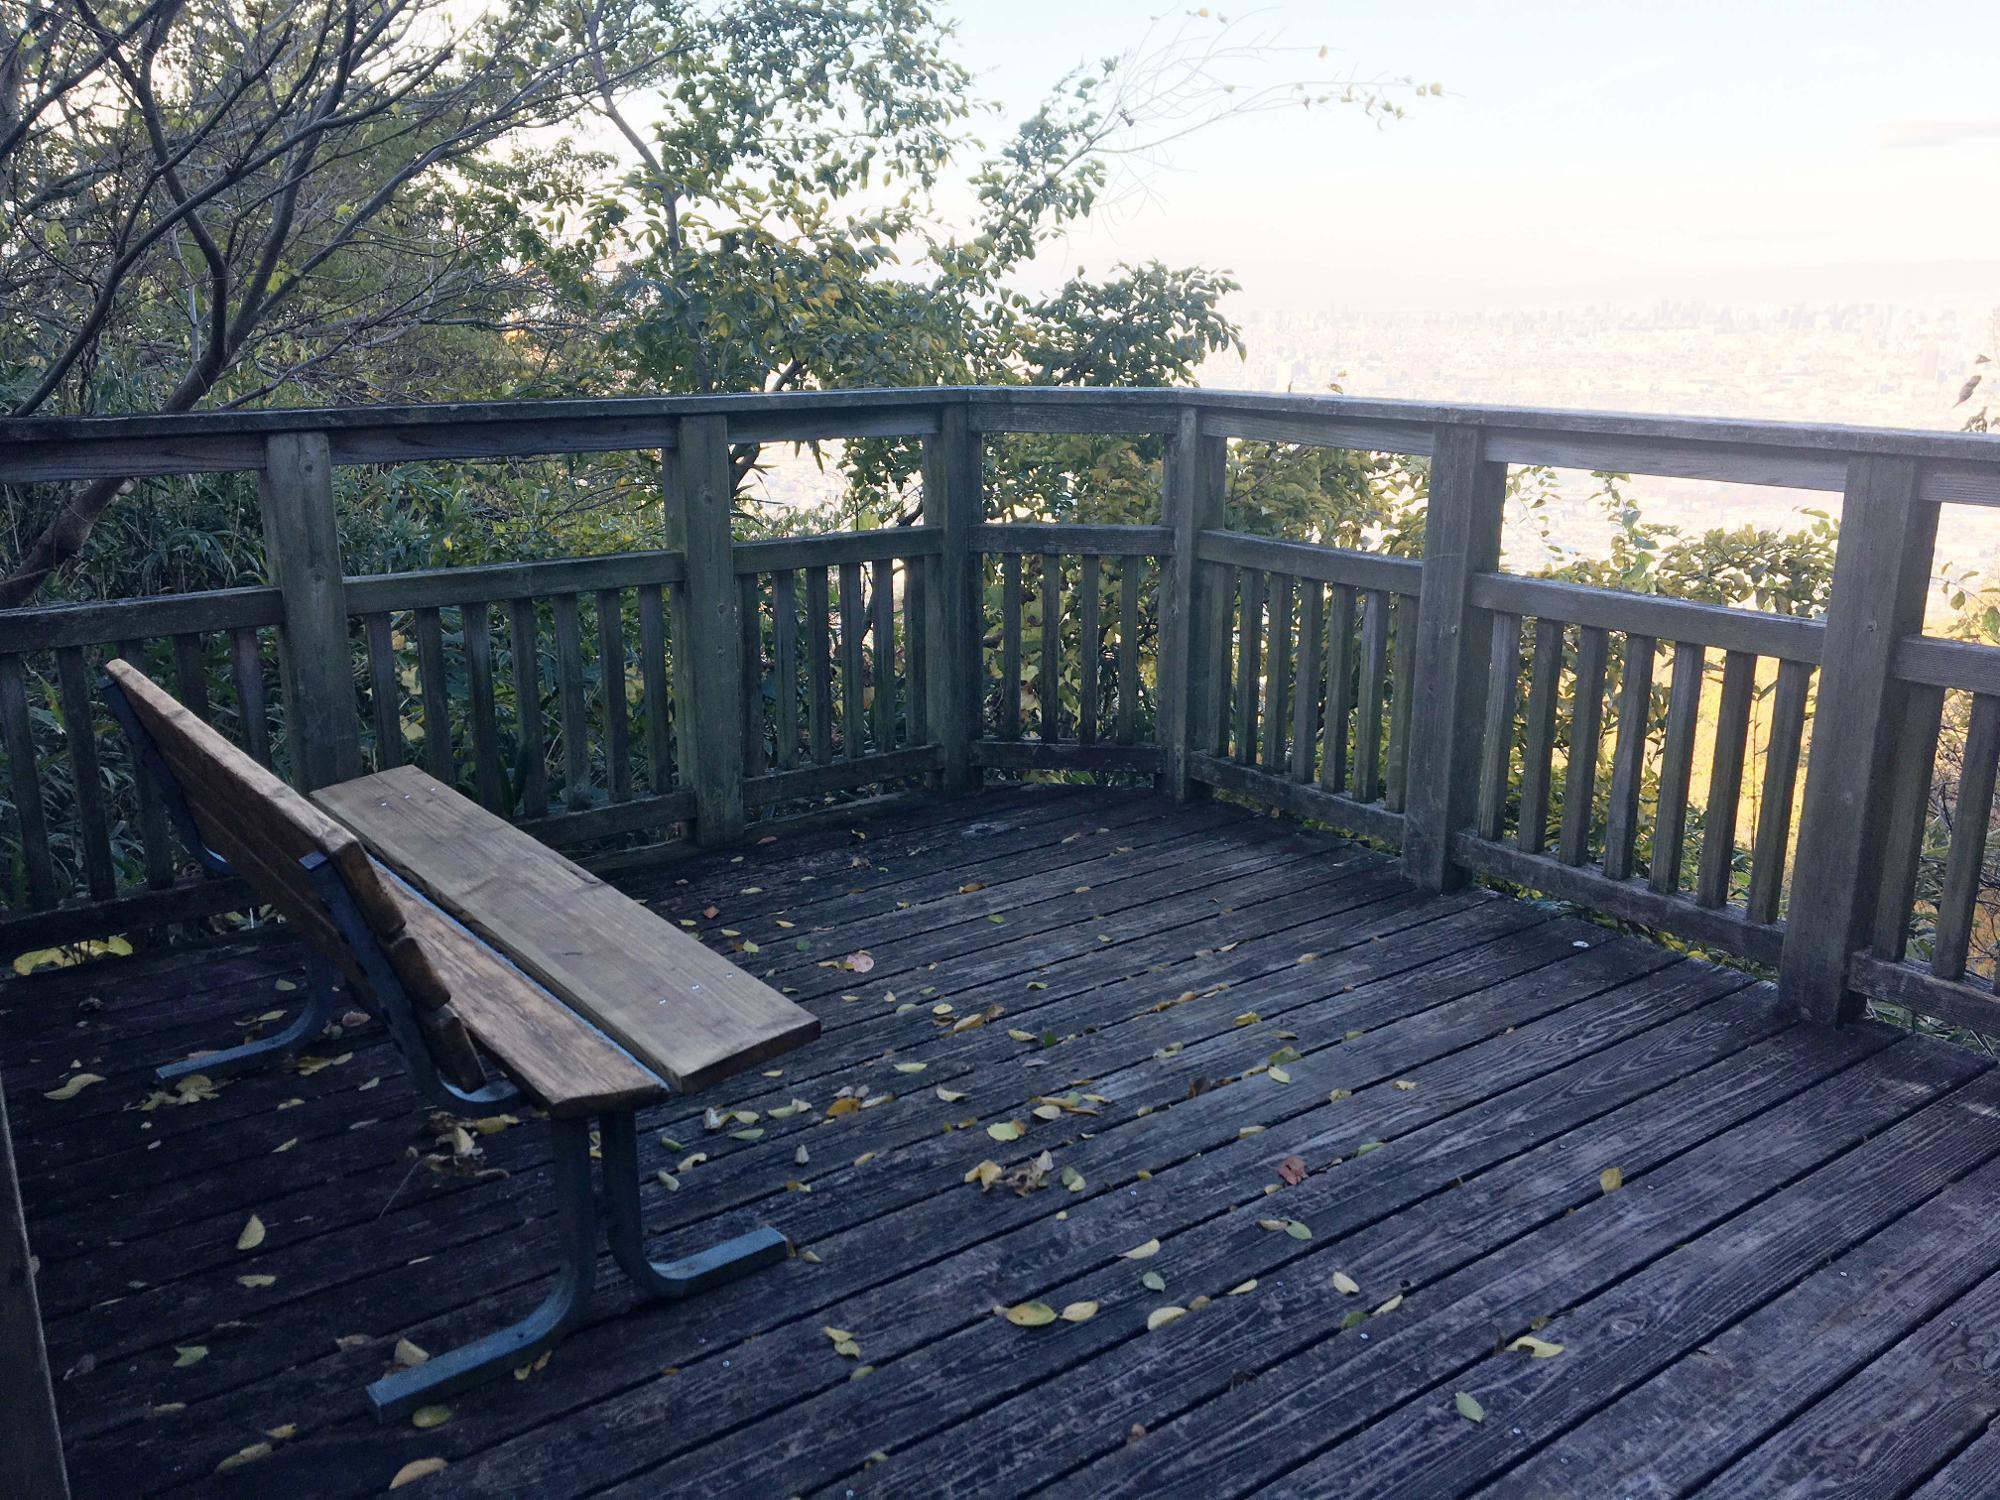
(1591, 744)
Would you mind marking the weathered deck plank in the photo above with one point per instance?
(1155, 957)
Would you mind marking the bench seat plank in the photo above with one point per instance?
(543, 1045)
(682, 1010)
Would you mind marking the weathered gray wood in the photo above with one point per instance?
(1403, 691)
(1881, 577)
(916, 648)
(700, 489)
(1788, 637)
(1496, 734)
(1371, 700)
(1539, 746)
(191, 675)
(24, 775)
(524, 647)
(246, 670)
(1586, 734)
(489, 778)
(1249, 664)
(157, 839)
(1130, 571)
(385, 691)
(1454, 649)
(1194, 478)
(955, 610)
(819, 659)
(1781, 776)
(611, 681)
(1307, 679)
(1948, 664)
(80, 730)
(1278, 675)
(1339, 688)
(852, 630)
(302, 559)
(1370, 820)
(1725, 780)
(574, 707)
(1909, 809)
(1089, 647)
(1676, 767)
(503, 583)
(1217, 607)
(749, 618)
(817, 781)
(1949, 1000)
(829, 549)
(436, 693)
(97, 622)
(1010, 645)
(1360, 570)
(785, 664)
(1072, 539)
(882, 633)
(1628, 760)
(1965, 863)
(653, 675)
(1038, 755)
(31, 1457)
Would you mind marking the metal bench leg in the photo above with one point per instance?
(674, 1278)
(312, 1020)
(395, 1396)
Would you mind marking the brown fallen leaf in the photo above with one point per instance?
(1293, 1170)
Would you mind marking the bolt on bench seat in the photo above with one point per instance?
(484, 952)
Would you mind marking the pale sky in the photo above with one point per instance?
(1752, 151)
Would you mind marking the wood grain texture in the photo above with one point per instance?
(708, 667)
(687, 1013)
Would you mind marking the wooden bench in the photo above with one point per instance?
(503, 972)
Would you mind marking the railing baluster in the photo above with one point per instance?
(1402, 701)
(1531, 834)
(1088, 649)
(246, 669)
(1130, 571)
(575, 708)
(438, 758)
(1306, 679)
(1374, 686)
(611, 680)
(1964, 865)
(1725, 780)
(750, 656)
(1250, 664)
(1339, 687)
(1585, 738)
(489, 780)
(1496, 737)
(1278, 674)
(851, 630)
(24, 771)
(522, 644)
(819, 653)
(882, 629)
(1676, 767)
(1628, 760)
(155, 838)
(653, 676)
(1909, 807)
(384, 691)
(191, 675)
(1218, 606)
(1048, 681)
(916, 649)
(79, 726)
(785, 648)
(1010, 646)
(1781, 775)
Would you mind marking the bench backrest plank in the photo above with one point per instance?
(681, 1009)
(264, 829)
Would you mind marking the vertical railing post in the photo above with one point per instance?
(1881, 577)
(302, 559)
(1195, 479)
(1454, 641)
(708, 687)
(31, 1461)
(952, 506)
